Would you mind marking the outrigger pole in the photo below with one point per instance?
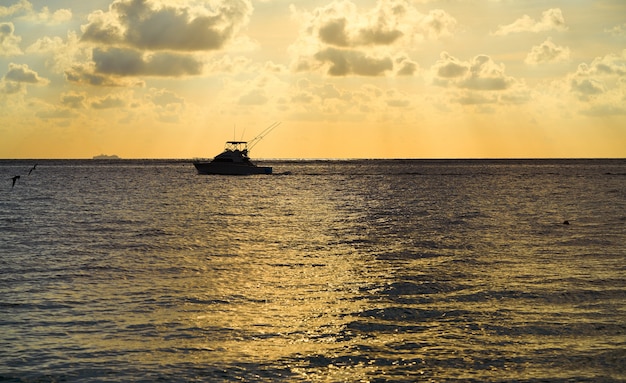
(264, 133)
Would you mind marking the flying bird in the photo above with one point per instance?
(14, 180)
(33, 168)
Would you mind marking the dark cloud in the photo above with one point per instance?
(23, 74)
(450, 67)
(83, 74)
(129, 62)
(586, 87)
(73, 100)
(333, 32)
(405, 66)
(366, 42)
(142, 24)
(9, 43)
(480, 73)
(347, 62)
(379, 36)
(603, 75)
(108, 102)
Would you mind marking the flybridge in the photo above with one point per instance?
(247, 145)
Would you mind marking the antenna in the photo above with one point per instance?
(264, 133)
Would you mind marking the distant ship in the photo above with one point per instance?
(234, 160)
(106, 157)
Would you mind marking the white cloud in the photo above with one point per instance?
(547, 52)
(9, 42)
(552, 19)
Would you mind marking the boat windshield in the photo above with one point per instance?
(236, 145)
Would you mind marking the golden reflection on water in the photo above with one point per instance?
(285, 284)
(328, 278)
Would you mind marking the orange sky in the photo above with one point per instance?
(347, 79)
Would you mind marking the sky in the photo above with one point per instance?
(345, 78)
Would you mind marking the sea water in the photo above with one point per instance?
(328, 271)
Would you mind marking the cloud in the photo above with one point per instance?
(148, 25)
(84, 74)
(56, 114)
(23, 74)
(603, 79)
(21, 6)
(405, 66)
(108, 102)
(128, 62)
(167, 106)
(137, 38)
(478, 81)
(396, 99)
(51, 18)
(604, 110)
(254, 97)
(547, 52)
(9, 43)
(73, 100)
(23, 10)
(164, 97)
(552, 19)
(617, 31)
(480, 73)
(347, 62)
(342, 39)
(342, 24)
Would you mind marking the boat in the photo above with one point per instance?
(234, 160)
(106, 157)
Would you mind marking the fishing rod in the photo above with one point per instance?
(264, 133)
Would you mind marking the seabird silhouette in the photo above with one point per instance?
(15, 178)
(31, 169)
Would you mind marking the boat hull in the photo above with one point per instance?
(230, 169)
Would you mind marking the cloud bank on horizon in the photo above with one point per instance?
(401, 78)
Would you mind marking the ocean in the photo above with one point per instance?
(327, 271)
